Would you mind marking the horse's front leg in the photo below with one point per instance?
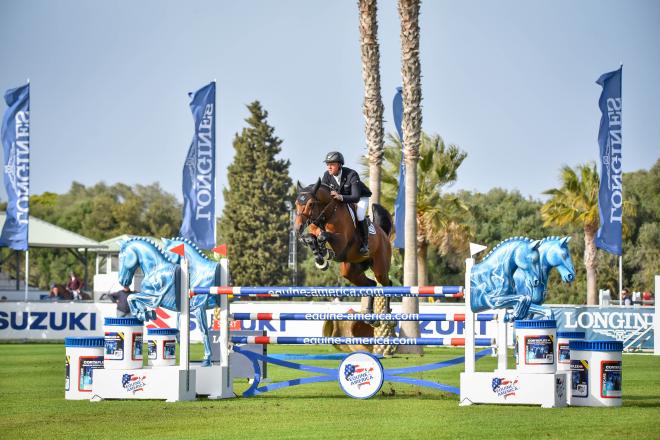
(319, 252)
(136, 307)
(142, 305)
(519, 303)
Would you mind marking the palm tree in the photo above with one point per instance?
(412, 127)
(373, 103)
(373, 128)
(576, 204)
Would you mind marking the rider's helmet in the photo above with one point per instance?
(334, 156)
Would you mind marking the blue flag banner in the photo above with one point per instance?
(16, 145)
(400, 202)
(198, 224)
(610, 195)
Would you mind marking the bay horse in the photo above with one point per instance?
(333, 235)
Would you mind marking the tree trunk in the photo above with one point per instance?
(372, 107)
(412, 125)
(590, 264)
(373, 103)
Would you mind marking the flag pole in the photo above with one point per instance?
(27, 272)
(215, 166)
(27, 250)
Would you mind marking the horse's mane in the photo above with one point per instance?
(192, 245)
(551, 238)
(158, 247)
(508, 240)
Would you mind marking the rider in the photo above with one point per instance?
(347, 187)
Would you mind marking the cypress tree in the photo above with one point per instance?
(255, 221)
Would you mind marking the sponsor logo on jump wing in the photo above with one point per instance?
(503, 387)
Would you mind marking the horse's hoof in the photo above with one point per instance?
(206, 363)
(322, 266)
(150, 315)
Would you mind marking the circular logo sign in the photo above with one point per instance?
(360, 375)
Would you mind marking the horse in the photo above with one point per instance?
(492, 285)
(159, 287)
(60, 292)
(553, 252)
(333, 235)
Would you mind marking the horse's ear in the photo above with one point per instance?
(299, 186)
(534, 244)
(317, 185)
(565, 240)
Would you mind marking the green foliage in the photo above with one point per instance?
(641, 261)
(255, 220)
(576, 202)
(99, 212)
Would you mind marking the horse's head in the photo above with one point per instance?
(128, 263)
(310, 203)
(558, 255)
(528, 260)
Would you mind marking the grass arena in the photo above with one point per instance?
(33, 406)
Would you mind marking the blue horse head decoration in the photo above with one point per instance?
(492, 285)
(553, 253)
(159, 286)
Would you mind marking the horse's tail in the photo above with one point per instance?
(383, 218)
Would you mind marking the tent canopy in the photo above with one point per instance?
(42, 234)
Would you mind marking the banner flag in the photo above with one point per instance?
(16, 145)
(610, 195)
(400, 202)
(198, 223)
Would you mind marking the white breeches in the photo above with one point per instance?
(362, 207)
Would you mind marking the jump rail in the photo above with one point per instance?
(323, 316)
(342, 340)
(328, 292)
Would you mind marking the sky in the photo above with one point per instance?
(512, 83)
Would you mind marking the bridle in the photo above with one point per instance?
(320, 220)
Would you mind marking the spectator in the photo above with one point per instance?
(74, 286)
(121, 299)
(626, 298)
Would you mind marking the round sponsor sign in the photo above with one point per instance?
(360, 375)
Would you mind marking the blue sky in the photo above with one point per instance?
(511, 82)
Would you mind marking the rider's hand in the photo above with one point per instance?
(337, 196)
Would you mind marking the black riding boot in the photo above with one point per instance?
(363, 228)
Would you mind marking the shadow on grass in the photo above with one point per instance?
(641, 401)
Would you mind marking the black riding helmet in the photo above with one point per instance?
(334, 156)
